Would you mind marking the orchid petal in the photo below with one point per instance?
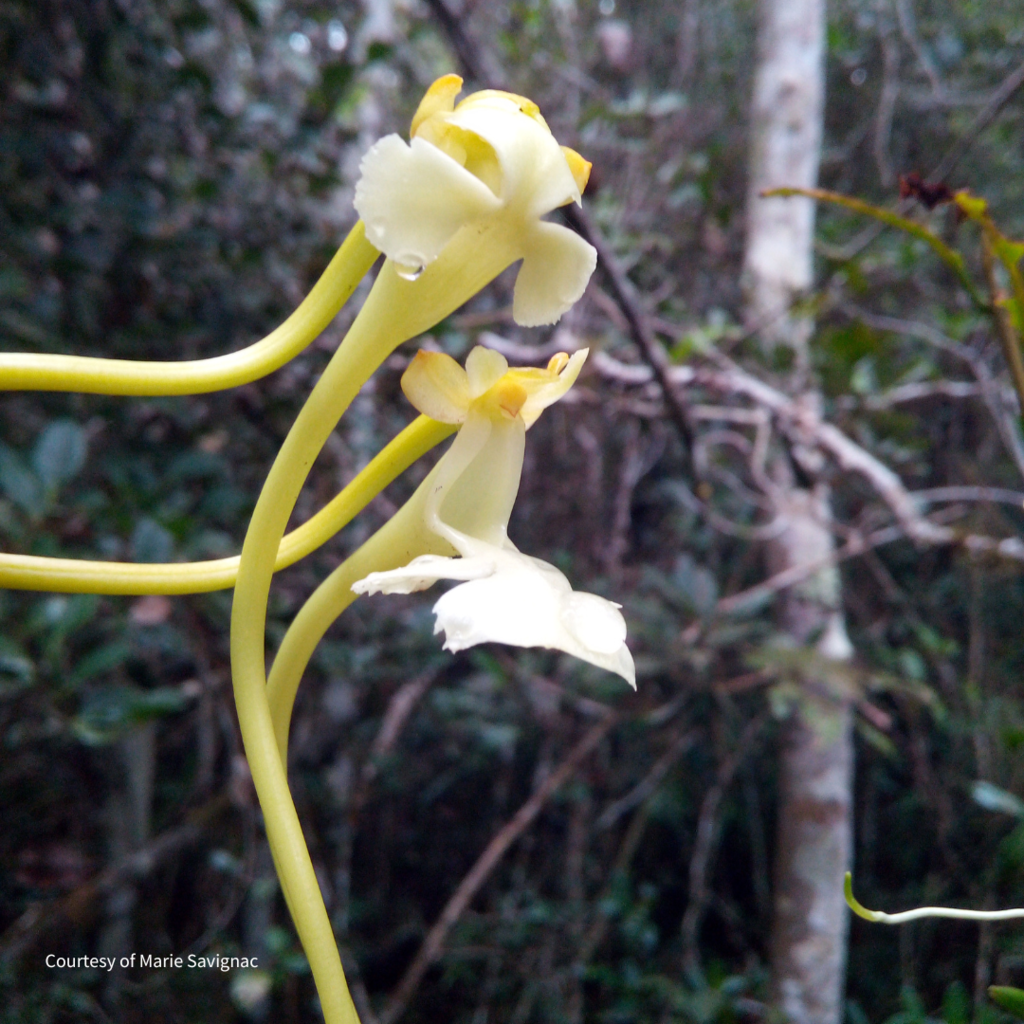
(580, 169)
(534, 169)
(554, 274)
(546, 392)
(437, 387)
(438, 99)
(504, 596)
(529, 603)
(485, 368)
(423, 572)
(476, 506)
(413, 198)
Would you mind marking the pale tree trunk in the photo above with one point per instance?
(809, 929)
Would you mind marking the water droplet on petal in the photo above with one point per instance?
(596, 623)
(409, 272)
(409, 265)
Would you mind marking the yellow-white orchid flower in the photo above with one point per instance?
(489, 162)
(505, 596)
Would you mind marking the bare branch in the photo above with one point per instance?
(478, 61)
(997, 495)
(39, 919)
(803, 424)
(649, 783)
(1001, 402)
(923, 389)
(433, 944)
(402, 704)
(705, 841)
(886, 103)
(639, 328)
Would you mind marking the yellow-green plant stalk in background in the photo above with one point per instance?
(80, 576)
(30, 371)
(881, 917)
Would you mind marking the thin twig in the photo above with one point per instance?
(888, 96)
(704, 843)
(401, 705)
(627, 850)
(433, 944)
(908, 29)
(477, 61)
(647, 786)
(993, 393)
(1004, 325)
(1002, 95)
(39, 919)
(625, 296)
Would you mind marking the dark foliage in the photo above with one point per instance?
(173, 177)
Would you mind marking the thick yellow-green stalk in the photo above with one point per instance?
(397, 309)
(29, 371)
(402, 538)
(451, 209)
(79, 576)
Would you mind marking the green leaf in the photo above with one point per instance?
(1010, 253)
(16, 667)
(957, 1007)
(972, 206)
(111, 711)
(19, 483)
(1013, 307)
(151, 542)
(59, 454)
(1010, 999)
(99, 662)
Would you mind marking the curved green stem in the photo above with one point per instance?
(415, 529)
(395, 544)
(75, 576)
(405, 536)
(881, 917)
(29, 371)
(396, 309)
(953, 259)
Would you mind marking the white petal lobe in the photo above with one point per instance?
(423, 572)
(594, 622)
(414, 198)
(529, 603)
(555, 271)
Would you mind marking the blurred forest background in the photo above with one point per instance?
(174, 175)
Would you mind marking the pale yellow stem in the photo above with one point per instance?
(29, 371)
(396, 309)
(75, 576)
(401, 539)
(414, 530)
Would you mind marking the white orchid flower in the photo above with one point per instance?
(504, 596)
(489, 165)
